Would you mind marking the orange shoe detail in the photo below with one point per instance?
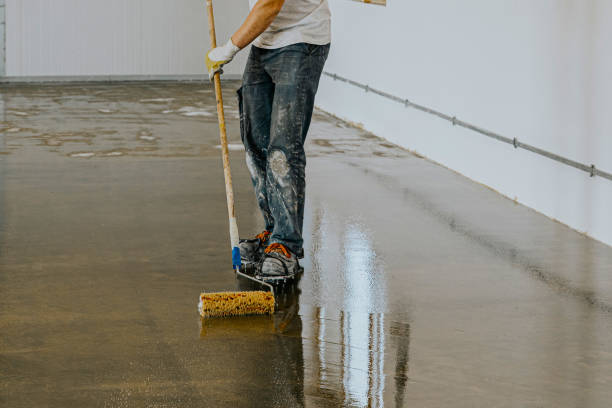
(263, 237)
(280, 248)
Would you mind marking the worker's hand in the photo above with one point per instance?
(217, 57)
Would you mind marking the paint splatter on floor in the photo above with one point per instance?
(83, 155)
(147, 138)
(191, 111)
(157, 100)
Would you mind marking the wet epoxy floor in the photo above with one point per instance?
(421, 288)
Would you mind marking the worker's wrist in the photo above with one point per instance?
(231, 48)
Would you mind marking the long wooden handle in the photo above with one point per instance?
(229, 191)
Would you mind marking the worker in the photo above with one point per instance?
(290, 43)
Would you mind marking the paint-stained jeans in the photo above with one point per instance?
(276, 103)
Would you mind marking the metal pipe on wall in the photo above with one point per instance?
(591, 169)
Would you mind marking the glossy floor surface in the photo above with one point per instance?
(421, 288)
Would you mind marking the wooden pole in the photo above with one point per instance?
(229, 191)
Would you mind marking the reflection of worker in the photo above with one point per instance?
(266, 350)
(290, 45)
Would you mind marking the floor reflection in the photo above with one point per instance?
(353, 355)
(343, 267)
(347, 354)
(363, 339)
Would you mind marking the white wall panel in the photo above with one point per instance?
(536, 70)
(115, 37)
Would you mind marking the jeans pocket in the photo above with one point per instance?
(318, 50)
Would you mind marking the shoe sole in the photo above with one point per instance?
(250, 268)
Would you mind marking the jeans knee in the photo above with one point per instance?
(279, 166)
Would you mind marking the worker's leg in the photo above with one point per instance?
(295, 71)
(255, 99)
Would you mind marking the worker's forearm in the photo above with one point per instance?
(260, 18)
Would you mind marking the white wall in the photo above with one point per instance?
(1, 37)
(115, 37)
(540, 71)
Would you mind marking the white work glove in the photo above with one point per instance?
(217, 57)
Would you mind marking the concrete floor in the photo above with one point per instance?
(421, 288)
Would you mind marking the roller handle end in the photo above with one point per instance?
(236, 260)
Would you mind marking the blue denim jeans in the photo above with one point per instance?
(276, 101)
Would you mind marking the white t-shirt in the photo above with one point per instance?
(307, 21)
